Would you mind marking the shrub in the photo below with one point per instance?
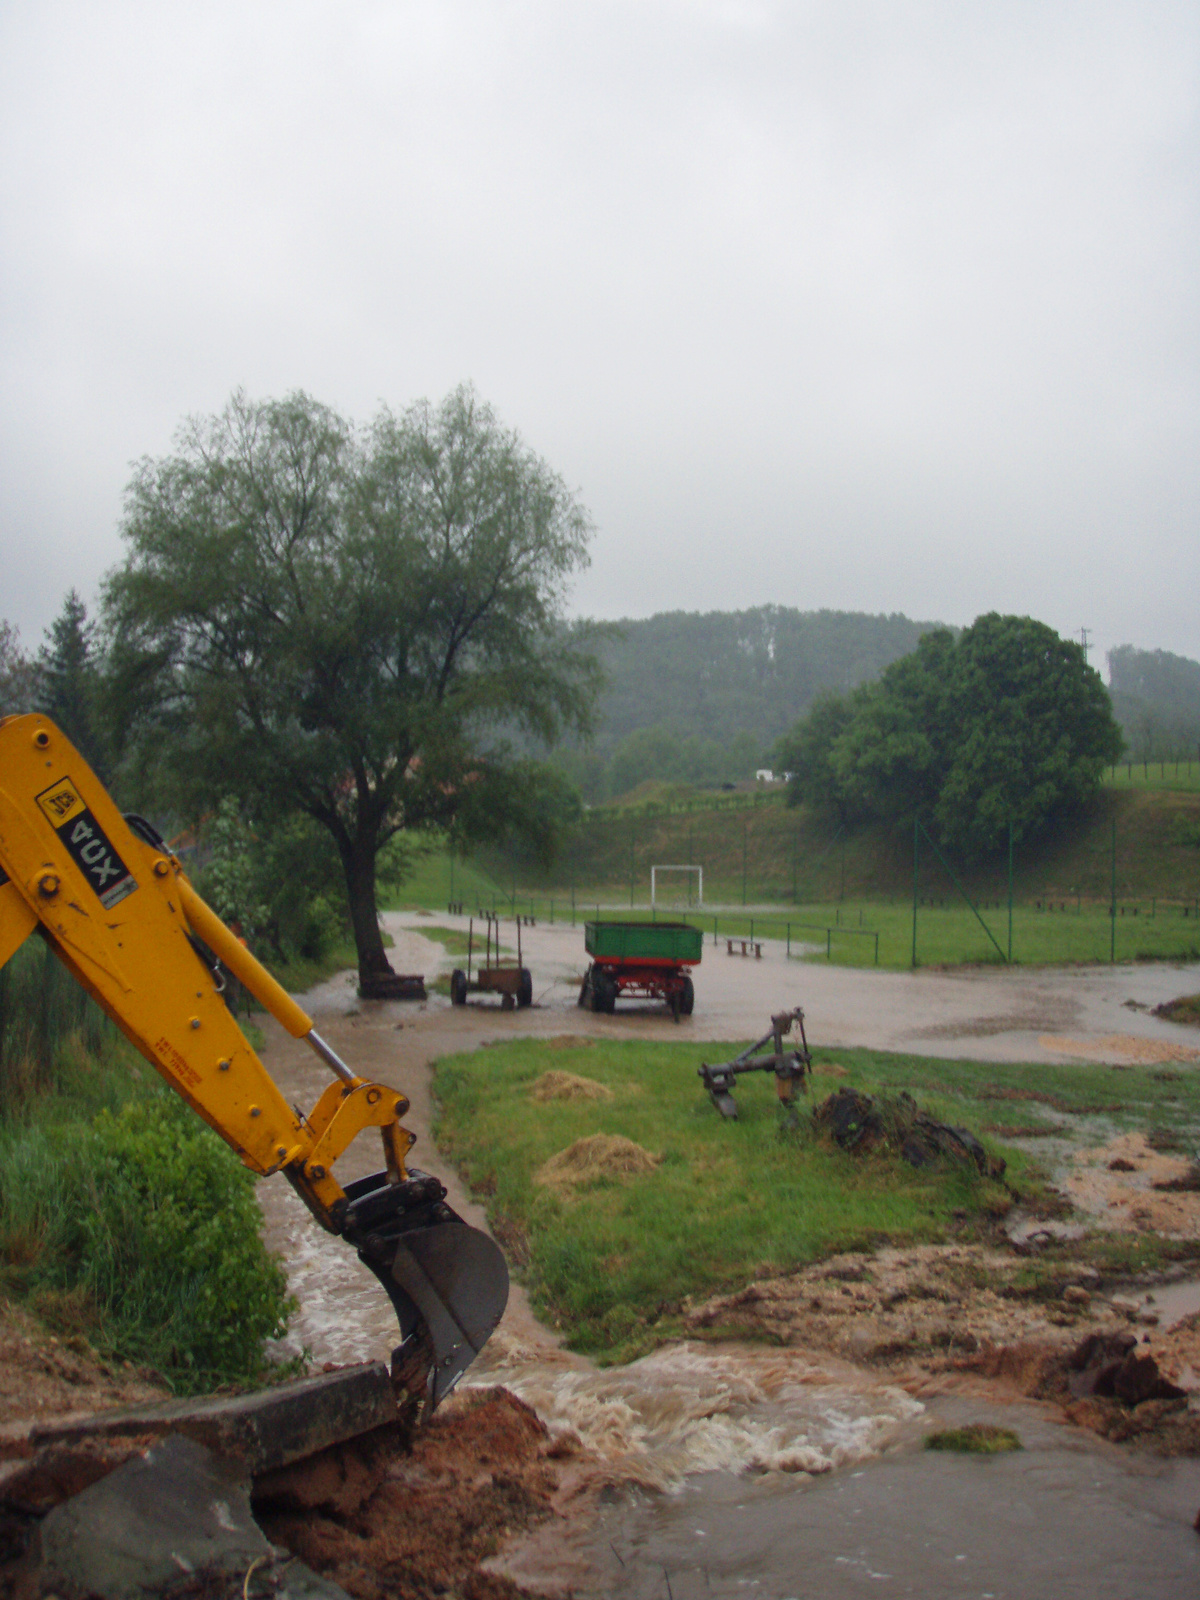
(143, 1227)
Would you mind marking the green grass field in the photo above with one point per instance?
(1166, 775)
(728, 1201)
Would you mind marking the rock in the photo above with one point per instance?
(1108, 1364)
(1075, 1295)
(173, 1513)
(1124, 1306)
(263, 1430)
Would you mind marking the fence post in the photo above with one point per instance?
(1010, 854)
(829, 944)
(1112, 912)
(916, 883)
(789, 941)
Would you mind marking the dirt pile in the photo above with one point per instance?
(556, 1085)
(1108, 1382)
(862, 1123)
(43, 1376)
(1186, 1009)
(1127, 1184)
(390, 1519)
(600, 1155)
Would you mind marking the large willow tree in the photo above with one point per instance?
(350, 623)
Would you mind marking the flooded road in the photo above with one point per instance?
(1066, 1518)
(740, 1470)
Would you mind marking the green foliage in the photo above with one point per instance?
(122, 1216)
(724, 673)
(68, 683)
(347, 623)
(282, 886)
(145, 1224)
(1007, 724)
(1156, 696)
(975, 1438)
(18, 676)
(47, 1023)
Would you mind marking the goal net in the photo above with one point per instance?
(690, 892)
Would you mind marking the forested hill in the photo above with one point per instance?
(1156, 696)
(727, 673)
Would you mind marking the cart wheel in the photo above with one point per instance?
(602, 999)
(608, 994)
(458, 987)
(585, 990)
(687, 998)
(525, 988)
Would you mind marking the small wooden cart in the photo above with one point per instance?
(514, 984)
(652, 960)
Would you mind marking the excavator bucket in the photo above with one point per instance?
(447, 1281)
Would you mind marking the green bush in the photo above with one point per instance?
(140, 1229)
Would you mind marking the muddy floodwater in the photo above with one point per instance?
(739, 1470)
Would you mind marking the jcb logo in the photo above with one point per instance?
(61, 802)
(89, 846)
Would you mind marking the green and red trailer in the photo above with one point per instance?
(643, 960)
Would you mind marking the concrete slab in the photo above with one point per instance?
(175, 1517)
(260, 1431)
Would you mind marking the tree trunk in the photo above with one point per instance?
(376, 978)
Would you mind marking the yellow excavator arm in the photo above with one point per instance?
(116, 907)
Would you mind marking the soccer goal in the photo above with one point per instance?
(699, 875)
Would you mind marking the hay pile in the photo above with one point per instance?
(555, 1085)
(601, 1155)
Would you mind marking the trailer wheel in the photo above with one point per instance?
(604, 992)
(687, 998)
(525, 988)
(585, 990)
(458, 987)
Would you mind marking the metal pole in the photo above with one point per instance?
(1010, 891)
(745, 836)
(916, 860)
(1112, 910)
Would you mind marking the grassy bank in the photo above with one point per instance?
(124, 1220)
(613, 1261)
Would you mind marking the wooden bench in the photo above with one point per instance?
(747, 945)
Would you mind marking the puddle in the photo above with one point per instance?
(1173, 1302)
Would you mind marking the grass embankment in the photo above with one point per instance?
(124, 1221)
(801, 865)
(613, 1261)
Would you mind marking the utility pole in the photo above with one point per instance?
(1085, 641)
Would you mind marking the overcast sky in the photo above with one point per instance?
(874, 306)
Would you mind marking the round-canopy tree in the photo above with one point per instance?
(1002, 726)
(350, 623)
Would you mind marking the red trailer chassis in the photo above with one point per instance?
(641, 979)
